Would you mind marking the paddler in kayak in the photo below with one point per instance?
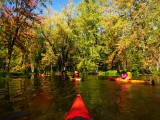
(126, 75)
(76, 74)
(129, 76)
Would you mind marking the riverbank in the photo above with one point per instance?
(14, 74)
(99, 73)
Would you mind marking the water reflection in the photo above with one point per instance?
(49, 98)
(35, 98)
(108, 100)
(149, 77)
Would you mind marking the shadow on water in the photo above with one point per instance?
(49, 98)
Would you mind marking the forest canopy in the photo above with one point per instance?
(89, 36)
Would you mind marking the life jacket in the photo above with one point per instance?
(76, 75)
(129, 77)
(123, 76)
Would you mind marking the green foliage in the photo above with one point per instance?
(17, 21)
(115, 34)
(108, 73)
(131, 29)
(89, 42)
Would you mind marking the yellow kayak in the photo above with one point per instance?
(77, 79)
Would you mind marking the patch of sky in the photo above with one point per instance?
(58, 5)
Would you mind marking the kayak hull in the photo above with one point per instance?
(42, 75)
(76, 79)
(131, 81)
(78, 110)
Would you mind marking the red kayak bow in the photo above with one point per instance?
(78, 110)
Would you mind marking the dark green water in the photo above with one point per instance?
(50, 99)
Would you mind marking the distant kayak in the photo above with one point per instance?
(42, 75)
(78, 110)
(77, 79)
(131, 81)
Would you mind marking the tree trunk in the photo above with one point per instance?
(10, 48)
(32, 67)
(9, 58)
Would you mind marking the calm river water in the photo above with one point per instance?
(49, 98)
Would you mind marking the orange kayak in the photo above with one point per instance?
(132, 81)
(42, 75)
(78, 110)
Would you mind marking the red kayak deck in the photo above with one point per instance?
(131, 81)
(78, 110)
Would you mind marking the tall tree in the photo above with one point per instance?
(57, 32)
(17, 17)
(133, 30)
(89, 31)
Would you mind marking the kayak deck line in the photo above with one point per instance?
(132, 81)
(78, 110)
